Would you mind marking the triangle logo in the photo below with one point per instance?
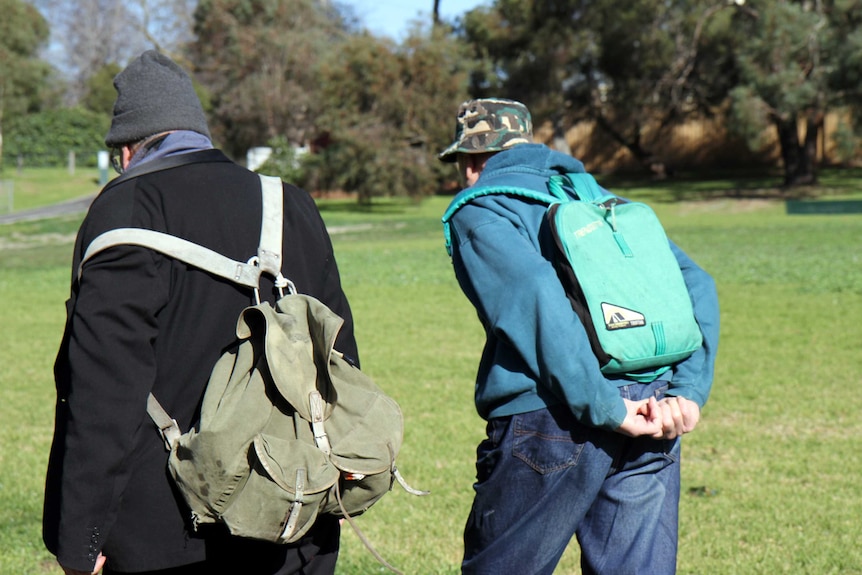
(617, 317)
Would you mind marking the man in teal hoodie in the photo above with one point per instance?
(569, 450)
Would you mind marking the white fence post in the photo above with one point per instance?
(102, 159)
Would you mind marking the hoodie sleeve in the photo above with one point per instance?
(523, 306)
(692, 378)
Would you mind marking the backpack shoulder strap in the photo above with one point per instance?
(272, 225)
(191, 253)
(582, 184)
(471, 194)
(244, 273)
(169, 429)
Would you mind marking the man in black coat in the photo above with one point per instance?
(140, 322)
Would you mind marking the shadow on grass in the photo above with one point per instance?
(759, 184)
(382, 206)
(682, 186)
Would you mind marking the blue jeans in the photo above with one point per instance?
(543, 478)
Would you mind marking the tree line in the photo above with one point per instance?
(374, 111)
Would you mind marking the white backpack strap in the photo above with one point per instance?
(246, 274)
(272, 224)
(168, 427)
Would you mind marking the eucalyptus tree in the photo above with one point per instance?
(259, 60)
(373, 111)
(387, 112)
(797, 61)
(628, 65)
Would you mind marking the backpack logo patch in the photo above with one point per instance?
(588, 229)
(617, 317)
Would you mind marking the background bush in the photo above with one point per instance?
(46, 138)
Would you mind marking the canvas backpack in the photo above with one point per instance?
(288, 428)
(620, 275)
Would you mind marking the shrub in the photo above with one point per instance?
(284, 161)
(46, 138)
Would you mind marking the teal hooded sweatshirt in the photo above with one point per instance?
(537, 353)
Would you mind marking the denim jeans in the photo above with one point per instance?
(543, 478)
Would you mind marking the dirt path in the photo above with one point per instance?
(70, 207)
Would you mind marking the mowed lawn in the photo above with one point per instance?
(771, 477)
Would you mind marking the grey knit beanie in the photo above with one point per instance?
(154, 95)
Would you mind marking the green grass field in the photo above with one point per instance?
(33, 188)
(770, 477)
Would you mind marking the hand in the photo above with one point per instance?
(642, 418)
(100, 562)
(678, 416)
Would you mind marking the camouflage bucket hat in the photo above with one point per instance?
(489, 125)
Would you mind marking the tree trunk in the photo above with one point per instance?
(560, 143)
(800, 160)
(649, 161)
(788, 139)
(808, 167)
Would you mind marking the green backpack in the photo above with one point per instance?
(619, 273)
(288, 428)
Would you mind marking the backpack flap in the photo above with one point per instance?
(288, 481)
(366, 429)
(299, 335)
(359, 426)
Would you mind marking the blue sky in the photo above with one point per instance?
(392, 17)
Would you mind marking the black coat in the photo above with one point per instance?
(141, 322)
